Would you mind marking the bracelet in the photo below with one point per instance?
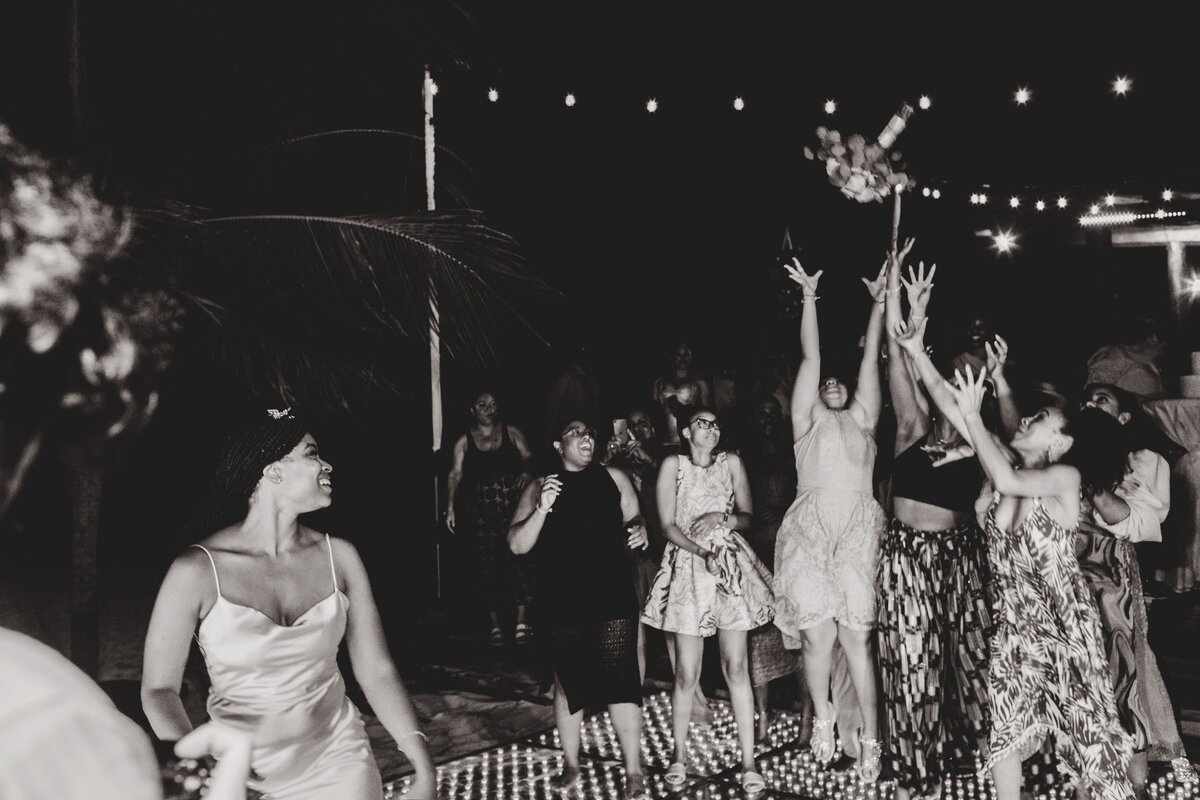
(414, 733)
(811, 298)
(544, 511)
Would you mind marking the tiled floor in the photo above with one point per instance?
(522, 769)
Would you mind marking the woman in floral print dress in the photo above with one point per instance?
(1048, 672)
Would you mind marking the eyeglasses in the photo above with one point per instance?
(580, 433)
(707, 424)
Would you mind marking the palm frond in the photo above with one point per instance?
(333, 306)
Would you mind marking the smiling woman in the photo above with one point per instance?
(270, 631)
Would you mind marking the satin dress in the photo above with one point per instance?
(316, 748)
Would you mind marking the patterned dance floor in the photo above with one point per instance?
(523, 769)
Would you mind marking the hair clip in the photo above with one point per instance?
(277, 414)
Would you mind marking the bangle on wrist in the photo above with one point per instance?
(413, 733)
(811, 298)
(543, 510)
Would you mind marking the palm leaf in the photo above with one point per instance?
(334, 307)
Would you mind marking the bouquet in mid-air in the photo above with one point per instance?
(864, 171)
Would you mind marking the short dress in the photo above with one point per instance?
(827, 549)
(685, 597)
(1048, 672)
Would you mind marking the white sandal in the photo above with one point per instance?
(753, 783)
(822, 748)
(868, 767)
(676, 775)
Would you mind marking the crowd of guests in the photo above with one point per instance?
(981, 570)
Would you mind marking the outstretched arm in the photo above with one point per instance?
(868, 400)
(804, 391)
(1056, 480)
(912, 339)
(912, 414)
(997, 355)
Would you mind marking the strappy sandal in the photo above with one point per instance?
(822, 743)
(523, 633)
(496, 639)
(1183, 770)
(868, 766)
(676, 775)
(752, 782)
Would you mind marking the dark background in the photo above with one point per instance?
(653, 228)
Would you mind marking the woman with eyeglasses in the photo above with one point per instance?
(710, 581)
(827, 549)
(580, 524)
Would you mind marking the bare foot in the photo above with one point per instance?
(763, 726)
(566, 779)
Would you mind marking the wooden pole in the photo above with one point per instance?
(435, 342)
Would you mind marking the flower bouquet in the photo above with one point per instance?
(866, 172)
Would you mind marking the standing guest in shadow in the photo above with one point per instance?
(487, 477)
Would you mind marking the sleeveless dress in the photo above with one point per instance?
(318, 749)
(685, 597)
(586, 595)
(827, 549)
(491, 481)
(1048, 673)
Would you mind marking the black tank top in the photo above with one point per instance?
(485, 466)
(585, 571)
(954, 486)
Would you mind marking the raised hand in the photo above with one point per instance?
(551, 487)
(911, 337)
(878, 287)
(806, 281)
(903, 254)
(940, 455)
(969, 390)
(997, 356)
(918, 287)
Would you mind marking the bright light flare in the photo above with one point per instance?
(1005, 241)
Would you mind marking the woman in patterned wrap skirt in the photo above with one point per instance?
(1047, 673)
(934, 616)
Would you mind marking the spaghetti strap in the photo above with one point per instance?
(214, 567)
(332, 571)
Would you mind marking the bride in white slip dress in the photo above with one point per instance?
(269, 600)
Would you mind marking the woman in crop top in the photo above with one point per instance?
(934, 619)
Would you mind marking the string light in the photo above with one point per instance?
(1022, 96)
(983, 199)
(1125, 217)
(925, 191)
(1095, 209)
(925, 102)
(493, 95)
(433, 88)
(1005, 241)
(1014, 202)
(1167, 195)
(1040, 205)
(974, 199)
(570, 100)
(652, 105)
(937, 194)
(1109, 200)
(1062, 202)
(830, 106)
(1121, 85)
(738, 104)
